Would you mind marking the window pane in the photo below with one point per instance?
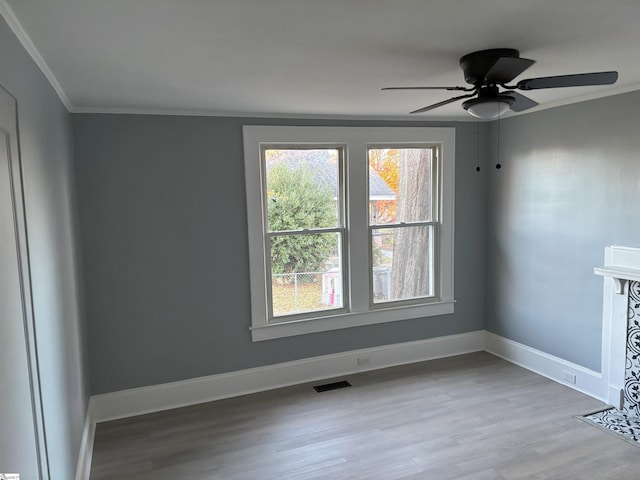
(306, 273)
(400, 185)
(402, 263)
(302, 189)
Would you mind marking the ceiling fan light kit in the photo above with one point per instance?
(488, 109)
(490, 104)
(487, 70)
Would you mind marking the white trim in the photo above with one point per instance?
(9, 110)
(154, 398)
(619, 272)
(555, 368)
(83, 468)
(23, 37)
(138, 401)
(620, 276)
(280, 115)
(122, 110)
(580, 99)
(348, 320)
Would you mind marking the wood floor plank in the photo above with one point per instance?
(472, 417)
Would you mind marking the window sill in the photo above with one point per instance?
(347, 320)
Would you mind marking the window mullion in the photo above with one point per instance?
(357, 193)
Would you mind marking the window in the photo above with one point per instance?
(403, 226)
(348, 226)
(304, 234)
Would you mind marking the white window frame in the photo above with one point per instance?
(356, 142)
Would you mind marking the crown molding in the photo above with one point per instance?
(307, 116)
(582, 98)
(23, 37)
(301, 116)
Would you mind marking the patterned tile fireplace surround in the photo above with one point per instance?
(621, 340)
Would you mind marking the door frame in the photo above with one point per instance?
(16, 183)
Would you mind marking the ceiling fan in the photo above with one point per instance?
(487, 70)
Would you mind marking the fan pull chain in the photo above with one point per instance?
(478, 145)
(498, 165)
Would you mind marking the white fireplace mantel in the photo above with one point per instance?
(620, 275)
(622, 265)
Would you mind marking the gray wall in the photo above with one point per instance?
(163, 225)
(164, 234)
(46, 145)
(570, 186)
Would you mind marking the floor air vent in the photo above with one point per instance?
(331, 386)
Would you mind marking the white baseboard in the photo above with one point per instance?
(86, 447)
(138, 401)
(555, 368)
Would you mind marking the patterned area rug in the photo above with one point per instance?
(617, 423)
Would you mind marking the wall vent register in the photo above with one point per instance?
(331, 386)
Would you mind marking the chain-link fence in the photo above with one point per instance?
(306, 291)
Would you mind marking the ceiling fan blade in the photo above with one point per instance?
(507, 68)
(578, 80)
(521, 103)
(443, 103)
(430, 88)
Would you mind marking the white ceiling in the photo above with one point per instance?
(312, 57)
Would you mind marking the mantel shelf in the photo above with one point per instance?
(620, 275)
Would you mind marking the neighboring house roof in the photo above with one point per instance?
(325, 172)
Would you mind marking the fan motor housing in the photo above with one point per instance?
(476, 65)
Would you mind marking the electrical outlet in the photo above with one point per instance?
(568, 377)
(362, 361)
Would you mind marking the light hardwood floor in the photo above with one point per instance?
(468, 417)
